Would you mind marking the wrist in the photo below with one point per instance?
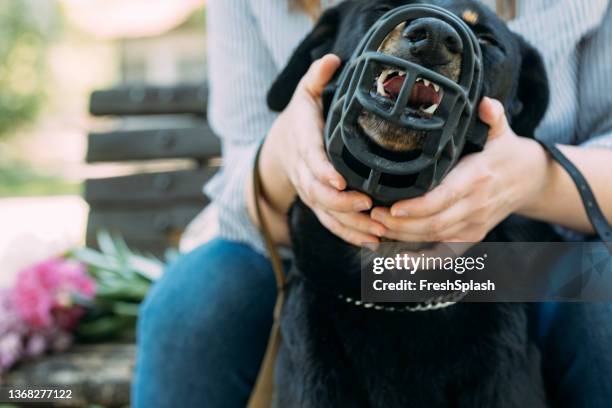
(535, 178)
(277, 185)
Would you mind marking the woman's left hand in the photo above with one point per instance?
(482, 189)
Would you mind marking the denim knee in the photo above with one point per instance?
(575, 339)
(203, 328)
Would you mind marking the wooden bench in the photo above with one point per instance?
(150, 209)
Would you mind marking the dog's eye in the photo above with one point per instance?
(487, 40)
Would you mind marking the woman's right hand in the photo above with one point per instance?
(295, 143)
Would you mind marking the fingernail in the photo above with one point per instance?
(361, 205)
(379, 232)
(335, 183)
(372, 246)
(399, 213)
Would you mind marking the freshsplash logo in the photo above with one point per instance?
(487, 272)
(413, 264)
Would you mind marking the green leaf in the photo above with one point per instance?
(105, 327)
(126, 308)
(134, 293)
(123, 278)
(107, 244)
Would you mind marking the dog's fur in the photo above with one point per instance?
(469, 355)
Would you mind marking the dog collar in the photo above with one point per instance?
(440, 302)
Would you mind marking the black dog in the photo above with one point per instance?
(336, 354)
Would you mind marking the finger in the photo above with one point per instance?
(432, 224)
(315, 193)
(470, 234)
(443, 236)
(349, 235)
(470, 174)
(319, 74)
(437, 200)
(321, 168)
(492, 112)
(440, 251)
(359, 221)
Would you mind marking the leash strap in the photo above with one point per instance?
(261, 397)
(596, 216)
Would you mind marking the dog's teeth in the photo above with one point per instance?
(368, 305)
(348, 300)
(426, 82)
(432, 109)
(380, 83)
(358, 302)
(378, 307)
(436, 87)
(380, 88)
(419, 79)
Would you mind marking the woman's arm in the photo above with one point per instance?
(516, 175)
(558, 202)
(511, 175)
(594, 131)
(293, 162)
(240, 69)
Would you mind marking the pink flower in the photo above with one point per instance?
(43, 293)
(36, 345)
(11, 349)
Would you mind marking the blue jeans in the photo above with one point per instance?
(204, 327)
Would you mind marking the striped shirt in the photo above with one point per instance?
(249, 42)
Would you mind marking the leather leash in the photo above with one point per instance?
(262, 394)
(596, 216)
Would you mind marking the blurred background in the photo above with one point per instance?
(53, 55)
(104, 149)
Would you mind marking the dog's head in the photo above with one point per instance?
(513, 70)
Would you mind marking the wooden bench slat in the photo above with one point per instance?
(149, 100)
(148, 189)
(197, 143)
(156, 245)
(143, 223)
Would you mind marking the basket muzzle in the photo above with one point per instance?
(453, 130)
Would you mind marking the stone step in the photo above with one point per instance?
(97, 374)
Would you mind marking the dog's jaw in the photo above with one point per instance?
(425, 97)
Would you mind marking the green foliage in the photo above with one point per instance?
(19, 179)
(123, 278)
(22, 54)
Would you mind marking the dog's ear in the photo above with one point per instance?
(316, 44)
(531, 102)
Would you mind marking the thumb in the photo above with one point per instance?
(319, 74)
(491, 112)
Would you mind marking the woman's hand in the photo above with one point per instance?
(295, 143)
(482, 190)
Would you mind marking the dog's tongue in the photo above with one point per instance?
(393, 86)
(420, 94)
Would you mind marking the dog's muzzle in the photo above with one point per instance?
(453, 129)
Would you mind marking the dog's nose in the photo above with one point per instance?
(433, 40)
